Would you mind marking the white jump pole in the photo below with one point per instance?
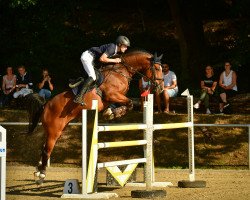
(249, 147)
(191, 138)
(148, 135)
(2, 162)
(84, 152)
(191, 183)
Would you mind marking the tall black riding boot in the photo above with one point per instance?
(79, 96)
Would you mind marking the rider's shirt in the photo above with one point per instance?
(108, 49)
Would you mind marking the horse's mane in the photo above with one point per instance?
(135, 51)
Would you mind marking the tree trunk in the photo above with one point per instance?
(187, 18)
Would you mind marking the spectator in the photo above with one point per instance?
(228, 86)
(144, 86)
(24, 83)
(170, 88)
(8, 86)
(45, 85)
(1, 92)
(208, 85)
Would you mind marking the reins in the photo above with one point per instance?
(153, 81)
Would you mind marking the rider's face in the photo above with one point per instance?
(123, 48)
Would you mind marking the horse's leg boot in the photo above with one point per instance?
(79, 96)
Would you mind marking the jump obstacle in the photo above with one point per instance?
(2, 162)
(89, 174)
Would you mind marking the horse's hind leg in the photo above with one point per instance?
(46, 152)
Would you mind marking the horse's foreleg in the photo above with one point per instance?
(126, 103)
(120, 111)
(130, 105)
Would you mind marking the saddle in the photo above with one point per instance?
(76, 84)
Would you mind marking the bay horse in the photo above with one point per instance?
(61, 109)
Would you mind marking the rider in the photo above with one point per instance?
(103, 54)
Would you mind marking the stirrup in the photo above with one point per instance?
(79, 100)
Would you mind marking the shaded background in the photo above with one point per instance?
(190, 34)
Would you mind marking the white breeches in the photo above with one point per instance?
(87, 62)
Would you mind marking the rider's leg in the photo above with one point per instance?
(87, 61)
(86, 85)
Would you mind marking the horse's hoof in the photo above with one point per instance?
(110, 117)
(107, 112)
(130, 108)
(42, 176)
(36, 174)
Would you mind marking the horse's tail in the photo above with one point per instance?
(35, 106)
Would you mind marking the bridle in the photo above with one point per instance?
(151, 68)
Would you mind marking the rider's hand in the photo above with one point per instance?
(117, 60)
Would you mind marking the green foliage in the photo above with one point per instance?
(54, 33)
(24, 4)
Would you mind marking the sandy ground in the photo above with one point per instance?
(221, 184)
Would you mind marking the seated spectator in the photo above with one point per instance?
(228, 86)
(208, 85)
(145, 87)
(170, 88)
(1, 92)
(45, 85)
(8, 86)
(24, 83)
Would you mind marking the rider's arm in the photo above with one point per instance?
(104, 58)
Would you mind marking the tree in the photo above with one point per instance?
(187, 18)
(22, 3)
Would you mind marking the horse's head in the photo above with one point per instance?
(145, 64)
(156, 72)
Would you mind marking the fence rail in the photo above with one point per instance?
(195, 125)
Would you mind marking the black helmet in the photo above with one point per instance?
(123, 40)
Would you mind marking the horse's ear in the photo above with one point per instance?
(160, 57)
(157, 59)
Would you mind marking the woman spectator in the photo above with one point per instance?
(45, 85)
(228, 86)
(8, 86)
(208, 85)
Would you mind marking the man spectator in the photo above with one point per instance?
(24, 83)
(170, 88)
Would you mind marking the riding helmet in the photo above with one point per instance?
(123, 40)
